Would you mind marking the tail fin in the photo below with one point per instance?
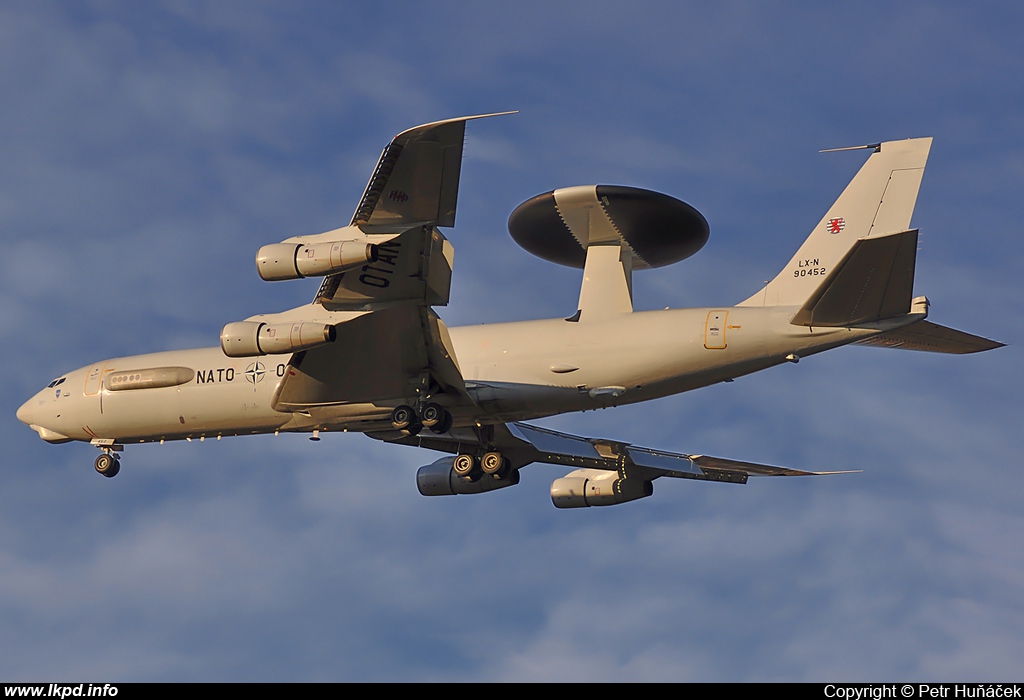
(878, 201)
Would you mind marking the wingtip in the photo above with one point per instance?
(485, 116)
(423, 127)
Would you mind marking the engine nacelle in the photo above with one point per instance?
(592, 487)
(439, 479)
(292, 261)
(251, 338)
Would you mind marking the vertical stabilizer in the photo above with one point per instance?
(878, 201)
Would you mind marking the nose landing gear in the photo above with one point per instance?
(108, 465)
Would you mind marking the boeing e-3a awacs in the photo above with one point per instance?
(370, 354)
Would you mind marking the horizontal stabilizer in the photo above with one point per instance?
(931, 337)
(874, 281)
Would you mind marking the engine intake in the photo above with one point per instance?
(251, 338)
(292, 261)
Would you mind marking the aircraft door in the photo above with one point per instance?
(714, 330)
(94, 380)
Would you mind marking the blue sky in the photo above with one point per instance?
(150, 149)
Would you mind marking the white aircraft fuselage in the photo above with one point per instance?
(516, 371)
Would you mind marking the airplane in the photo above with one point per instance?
(370, 354)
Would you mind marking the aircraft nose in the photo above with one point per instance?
(25, 412)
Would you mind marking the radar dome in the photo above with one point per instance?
(560, 225)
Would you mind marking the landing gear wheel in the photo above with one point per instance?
(432, 416)
(403, 417)
(444, 426)
(494, 464)
(436, 418)
(108, 465)
(464, 465)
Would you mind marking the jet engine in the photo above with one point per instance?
(251, 338)
(440, 479)
(292, 261)
(592, 487)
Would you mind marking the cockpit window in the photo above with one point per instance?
(56, 382)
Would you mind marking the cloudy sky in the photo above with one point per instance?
(147, 150)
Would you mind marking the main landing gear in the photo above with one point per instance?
(108, 464)
(468, 467)
(491, 464)
(433, 417)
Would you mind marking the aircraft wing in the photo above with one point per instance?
(392, 346)
(413, 190)
(416, 180)
(389, 354)
(523, 444)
